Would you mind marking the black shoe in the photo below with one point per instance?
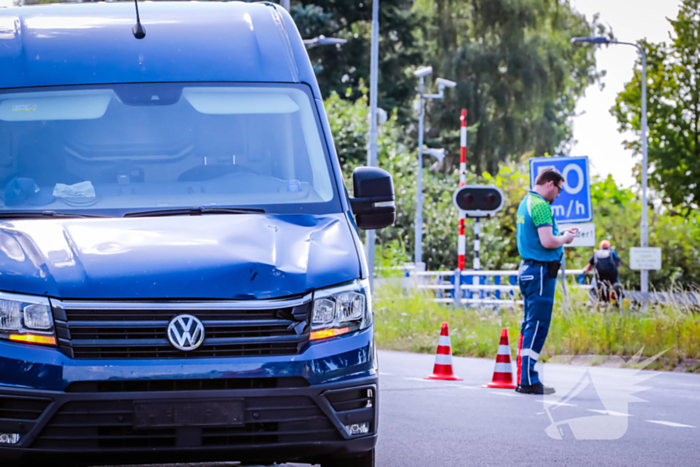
(538, 388)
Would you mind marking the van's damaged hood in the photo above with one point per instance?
(203, 257)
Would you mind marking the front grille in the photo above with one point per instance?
(22, 408)
(110, 424)
(164, 351)
(158, 332)
(116, 313)
(138, 330)
(167, 385)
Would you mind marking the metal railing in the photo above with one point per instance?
(477, 287)
(490, 288)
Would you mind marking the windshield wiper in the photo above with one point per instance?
(43, 214)
(193, 211)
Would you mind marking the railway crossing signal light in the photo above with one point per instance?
(479, 201)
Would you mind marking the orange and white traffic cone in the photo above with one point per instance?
(503, 372)
(443, 359)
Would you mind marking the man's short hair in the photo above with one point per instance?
(549, 175)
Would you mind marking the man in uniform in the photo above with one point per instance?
(541, 248)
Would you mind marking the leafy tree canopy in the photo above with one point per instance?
(341, 67)
(518, 74)
(673, 110)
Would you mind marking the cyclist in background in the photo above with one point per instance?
(607, 271)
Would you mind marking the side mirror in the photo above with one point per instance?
(373, 204)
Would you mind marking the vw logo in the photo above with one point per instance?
(186, 332)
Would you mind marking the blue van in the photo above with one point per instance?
(181, 275)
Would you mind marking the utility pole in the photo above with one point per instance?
(418, 254)
(645, 163)
(645, 223)
(372, 147)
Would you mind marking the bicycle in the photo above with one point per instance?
(604, 292)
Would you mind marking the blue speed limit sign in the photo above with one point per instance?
(574, 202)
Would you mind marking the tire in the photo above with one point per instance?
(365, 460)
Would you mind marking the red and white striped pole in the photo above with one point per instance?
(462, 241)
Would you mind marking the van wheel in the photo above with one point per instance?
(365, 460)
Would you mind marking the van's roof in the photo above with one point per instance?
(92, 43)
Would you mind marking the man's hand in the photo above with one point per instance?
(548, 240)
(569, 236)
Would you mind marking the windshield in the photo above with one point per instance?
(115, 149)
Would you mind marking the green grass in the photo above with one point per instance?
(411, 322)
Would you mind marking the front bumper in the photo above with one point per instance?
(281, 424)
(295, 408)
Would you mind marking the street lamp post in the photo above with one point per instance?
(645, 224)
(372, 147)
(442, 84)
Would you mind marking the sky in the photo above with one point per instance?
(595, 129)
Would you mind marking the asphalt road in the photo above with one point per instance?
(436, 423)
(425, 423)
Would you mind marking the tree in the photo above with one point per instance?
(342, 67)
(673, 110)
(517, 74)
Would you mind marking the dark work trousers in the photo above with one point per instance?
(538, 293)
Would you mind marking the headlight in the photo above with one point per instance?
(340, 310)
(26, 319)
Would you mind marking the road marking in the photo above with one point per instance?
(422, 380)
(611, 412)
(505, 394)
(676, 425)
(416, 389)
(448, 385)
(462, 386)
(545, 401)
(381, 373)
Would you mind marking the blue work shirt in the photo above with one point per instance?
(535, 212)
